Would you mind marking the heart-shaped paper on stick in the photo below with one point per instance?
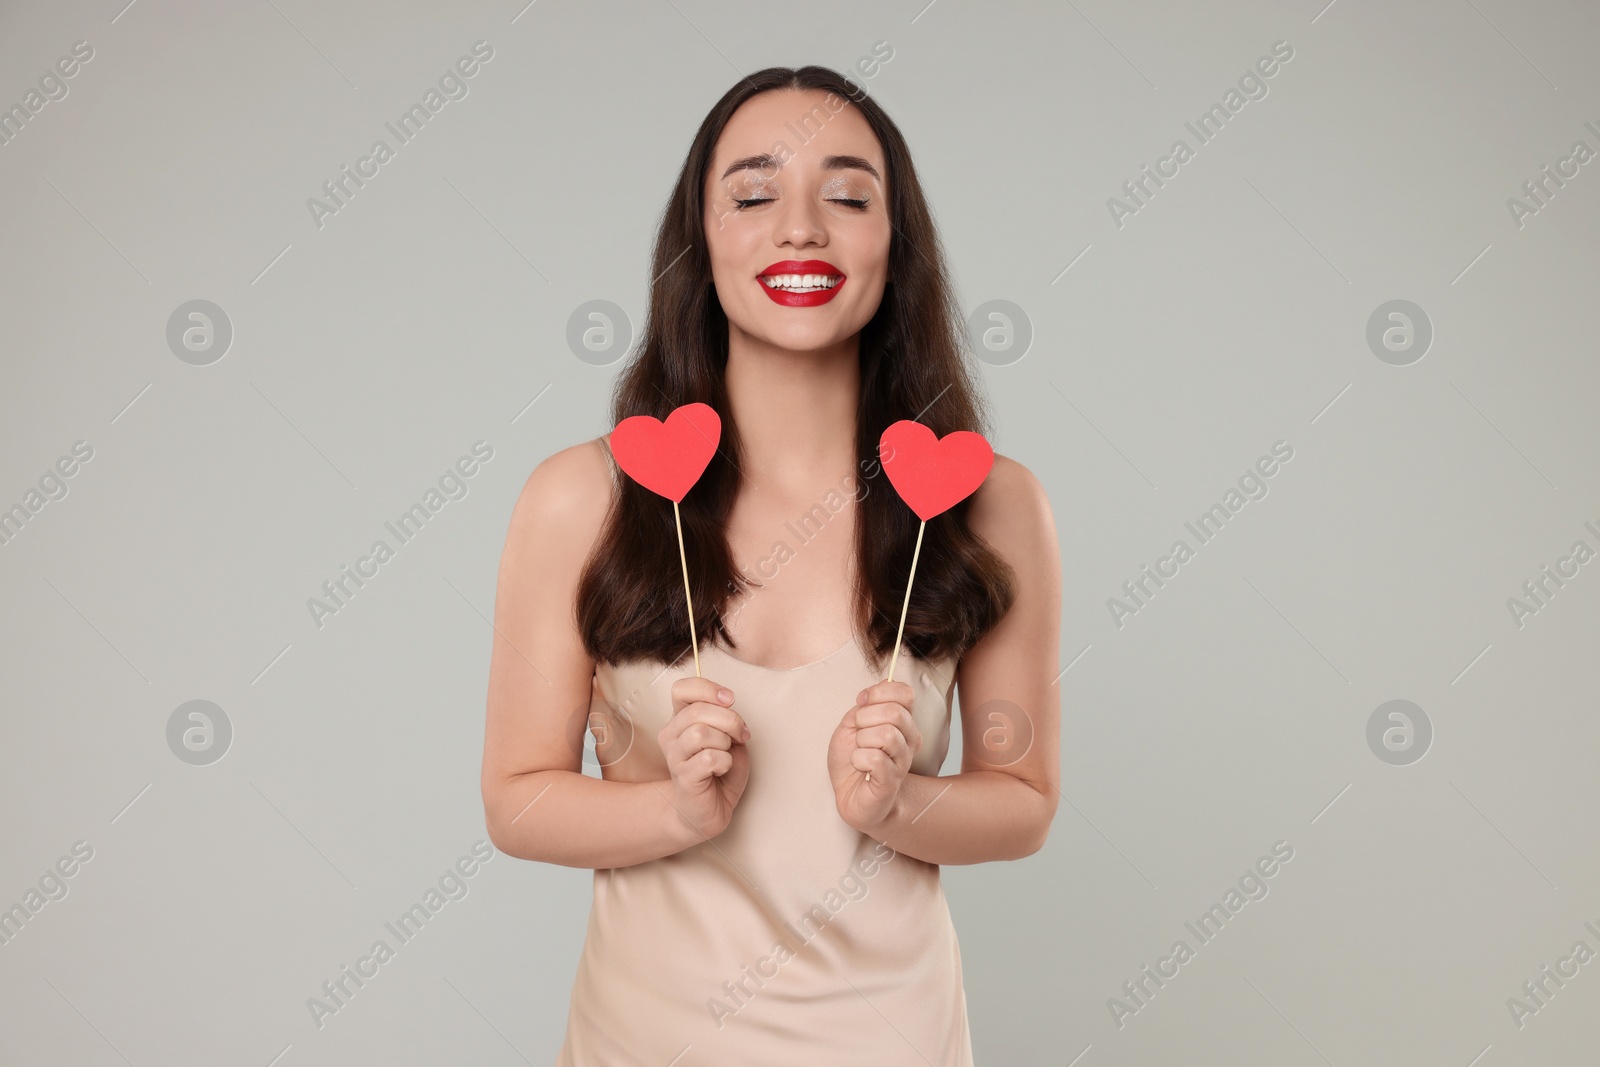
(668, 457)
(933, 474)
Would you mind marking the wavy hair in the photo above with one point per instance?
(630, 597)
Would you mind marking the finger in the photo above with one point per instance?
(878, 767)
(704, 765)
(894, 745)
(884, 736)
(878, 714)
(713, 715)
(693, 739)
(686, 691)
(886, 691)
(716, 761)
(699, 735)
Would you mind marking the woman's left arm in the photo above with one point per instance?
(1000, 806)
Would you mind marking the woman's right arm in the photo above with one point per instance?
(537, 802)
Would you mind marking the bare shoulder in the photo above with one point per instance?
(1011, 511)
(566, 496)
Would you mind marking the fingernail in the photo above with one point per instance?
(746, 736)
(724, 696)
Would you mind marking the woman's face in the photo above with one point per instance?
(779, 208)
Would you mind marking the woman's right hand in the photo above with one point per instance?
(704, 743)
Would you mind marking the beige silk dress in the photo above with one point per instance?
(789, 938)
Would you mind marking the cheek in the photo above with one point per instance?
(870, 247)
(722, 255)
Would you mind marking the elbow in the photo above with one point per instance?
(508, 815)
(493, 827)
(495, 823)
(507, 841)
(496, 838)
(1041, 823)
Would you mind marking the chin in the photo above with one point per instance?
(805, 339)
(788, 330)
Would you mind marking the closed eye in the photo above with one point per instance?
(859, 205)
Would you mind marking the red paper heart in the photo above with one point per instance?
(933, 474)
(667, 457)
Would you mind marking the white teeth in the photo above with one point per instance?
(803, 283)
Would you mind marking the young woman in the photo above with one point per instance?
(766, 839)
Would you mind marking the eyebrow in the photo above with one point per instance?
(767, 161)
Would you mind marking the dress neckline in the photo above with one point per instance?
(783, 670)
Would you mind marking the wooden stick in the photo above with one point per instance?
(904, 605)
(907, 603)
(689, 597)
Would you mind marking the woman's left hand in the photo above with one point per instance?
(878, 737)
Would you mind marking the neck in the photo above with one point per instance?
(796, 410)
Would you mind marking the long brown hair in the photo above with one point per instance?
(630, 598)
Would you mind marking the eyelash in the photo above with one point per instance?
(859, 205)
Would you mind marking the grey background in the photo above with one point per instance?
(368, 355)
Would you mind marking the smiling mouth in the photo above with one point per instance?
(801, 283)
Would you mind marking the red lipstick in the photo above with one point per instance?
(801, 266)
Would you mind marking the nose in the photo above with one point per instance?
(799, 223)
